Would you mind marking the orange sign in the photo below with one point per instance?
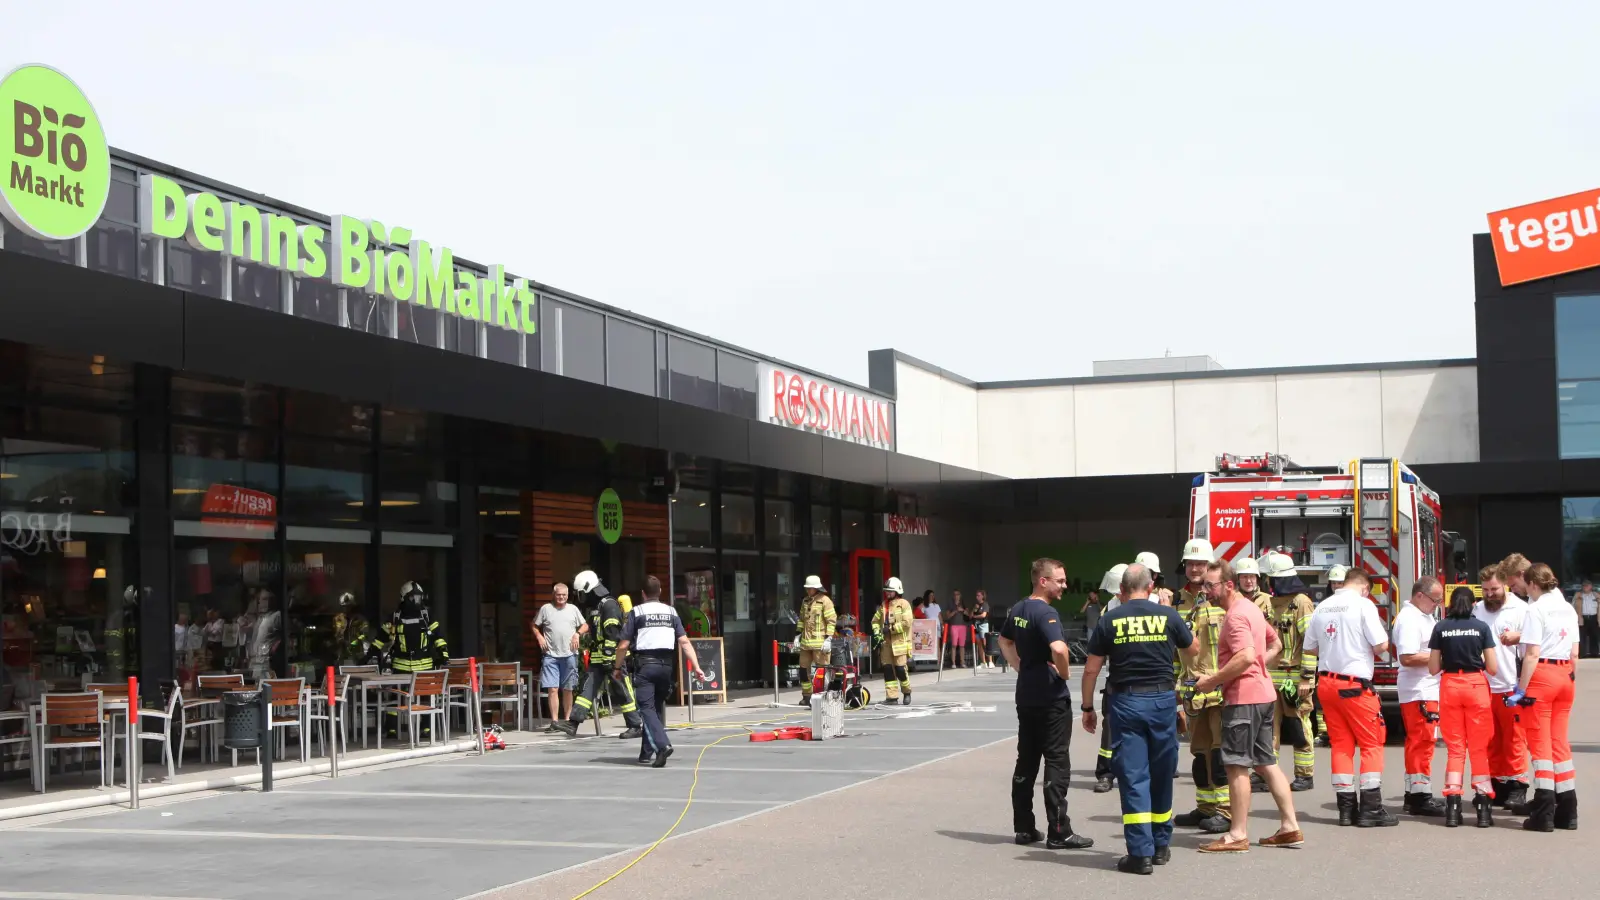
(1547, 238)
(224, 502)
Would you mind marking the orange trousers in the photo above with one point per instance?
(1465, 719)
(1354, 723)
(1508, 748)
(1551, 690)
(1419, 745)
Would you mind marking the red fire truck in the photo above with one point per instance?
(1374, 514)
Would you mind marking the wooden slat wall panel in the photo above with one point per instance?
(546, 514)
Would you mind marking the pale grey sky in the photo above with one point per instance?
(1009, 190)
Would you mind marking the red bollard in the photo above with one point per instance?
(133, 700)
(475, 715)
(775, 672)
(135, 748)
(333, 727)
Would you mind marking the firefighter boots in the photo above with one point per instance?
(1420, 804)
(1371, 813)
(1302, 783)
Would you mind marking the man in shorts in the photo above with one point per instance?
(558, 627)
(1246, 651)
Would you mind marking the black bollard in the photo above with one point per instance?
(265, 751)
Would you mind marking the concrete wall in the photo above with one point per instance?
(1419, 414)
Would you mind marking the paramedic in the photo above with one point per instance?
(1504, 612)
(1418, 690)
(1550, 644)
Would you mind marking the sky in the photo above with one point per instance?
(1008, 190)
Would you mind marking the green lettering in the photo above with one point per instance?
(380, 285)
(316, 261)
(351, 266)
(467, 295)
(525, 299)
(162, 211)
(283, 243)
(434, 279)
(205, 222)
(237, 219)
(402, 283)
(503, 315)
(1158, 625)
(1120, 625)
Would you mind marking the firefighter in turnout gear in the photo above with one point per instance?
(814, 641)
(1203, 709)
(1104, 777)
(412, 639)
(352, 633)
(1247, 575)
(891, 628)
(605, 616)
(122, 637)
(1295, 675)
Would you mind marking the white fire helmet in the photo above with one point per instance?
(1112, 581)
(1199, 550)
(893, 586)
(1337, 574)
(585, 581)
(1149, 561)
(1280, 566)
(813, 583)
(1244, 565)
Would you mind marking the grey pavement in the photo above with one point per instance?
(905, 807)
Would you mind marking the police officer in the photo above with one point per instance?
(605, 630)
(1111, 585)
(1032, 642)
(893, 632)
(1295, 674)
(653, 632)
(1140, 638)
(1203, 709)
(814, 639)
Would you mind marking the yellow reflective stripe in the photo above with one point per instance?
(1144, 818)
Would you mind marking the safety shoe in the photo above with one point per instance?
(660, 762)
(1371, 813)
(1420, 804)
(1070, 842)
(1190, 819)
(905, 699)
(806, 701)
(1452, 811)
(1215, 824)
(1163, 856)
(1566, 817)
(1347, 807)
(1485, 807)
(1302, 783)
(570, 729)
(1135, 865)
(1258, 785)
(1102, 785)
(1031, 836)
(632, 734)
(1322, 741)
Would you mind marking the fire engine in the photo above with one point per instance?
(1374, 514)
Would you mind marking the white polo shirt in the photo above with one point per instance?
(1412, 630)
(1552, 624)
(1343, 632)
(1508, 619)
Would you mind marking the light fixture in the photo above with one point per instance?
(183, 492)
(360, 503)
(100, 574)
(8, 475)
(702, 504)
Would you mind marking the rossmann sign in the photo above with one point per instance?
(801, 400)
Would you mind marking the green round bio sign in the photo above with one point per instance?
(55, 166)
(608, 516)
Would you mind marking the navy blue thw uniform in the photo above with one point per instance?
(652, 633)
(1140, 638)
(1044, 718)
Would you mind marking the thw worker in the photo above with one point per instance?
(1141, 638)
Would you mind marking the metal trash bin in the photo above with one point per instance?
(241, 720)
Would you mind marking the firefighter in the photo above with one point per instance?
(605, 630)
(1247, 577)
(412, 639)
(1544, 692)
(1504, 613)
(1159, 593)
(352, 632)
(1347, 635)
(814, 641)
(1335, 580)
(122, 636)
(1104, 774)
(1203, 709)
(893, 633)
(1295, 674)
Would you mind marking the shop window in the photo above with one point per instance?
(192, 270)
(736, 384)
(780, 529)
(224, 583)
(55, 251)
(316, 299)
(34, 375)
(741, 607)
(425, 559)
(114, 248)
(223, 400)
(410, 428)
(853, 529)
(738, 522)
(500, 509)
(224, 473)
(780, 484)
(821, 527)
(783, 591)
(417, 324)
(691, 519)
(694, 372)
(326, 577)
(327, 416)
(1578, 375)
(65, 460)
(257, 286)
(63, 614)
(630, 357)
(696, 593)
(418, 490)
(122, 200)
(369, 314)
(501, 622)
(326, 481)
(574, 341)
(504, 346)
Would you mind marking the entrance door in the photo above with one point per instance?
(868, 570)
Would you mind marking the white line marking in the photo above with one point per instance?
(50, 895)
(684, 834)
(554, 797)
(686, 770)
(356, 838)
(848, 742)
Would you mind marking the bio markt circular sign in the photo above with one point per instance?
(54, 161)
(608, 516)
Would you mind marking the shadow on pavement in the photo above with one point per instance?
(1078, 859)
(974, 837)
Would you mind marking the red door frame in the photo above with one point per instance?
(855, 577)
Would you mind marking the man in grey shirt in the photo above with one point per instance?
(558, 627)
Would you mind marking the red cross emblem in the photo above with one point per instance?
(1331, 631)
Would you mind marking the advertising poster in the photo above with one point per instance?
(924, 640)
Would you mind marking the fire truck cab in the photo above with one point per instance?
(1374, 514)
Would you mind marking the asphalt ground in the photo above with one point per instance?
(905, 807)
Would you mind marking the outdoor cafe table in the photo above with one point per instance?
(368, 683)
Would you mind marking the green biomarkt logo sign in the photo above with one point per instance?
(608, 516)
(58, 166)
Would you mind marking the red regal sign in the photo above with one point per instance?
(798, 400)
(905, 524)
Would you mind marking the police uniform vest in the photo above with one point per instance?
(1205, 622)
(655, 629)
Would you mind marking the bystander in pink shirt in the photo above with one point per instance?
(1245, 626)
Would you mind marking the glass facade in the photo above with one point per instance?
(1580, 542)
(1578, 375)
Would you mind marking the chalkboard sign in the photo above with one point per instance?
(708, 650)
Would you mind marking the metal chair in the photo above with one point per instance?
(112, 692)
(501, 684)
(83, 715)
(288, 693)
(458, 691)
(164, 736)
(319, 710)
(424, 699)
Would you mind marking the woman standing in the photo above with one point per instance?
(1549, 679)
(1462, 651)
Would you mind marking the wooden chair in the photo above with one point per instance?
(117, 730)
(82, 716)
(458, 691)
(207, 712)
(501, 684)
(288, 694)
(424, 699)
